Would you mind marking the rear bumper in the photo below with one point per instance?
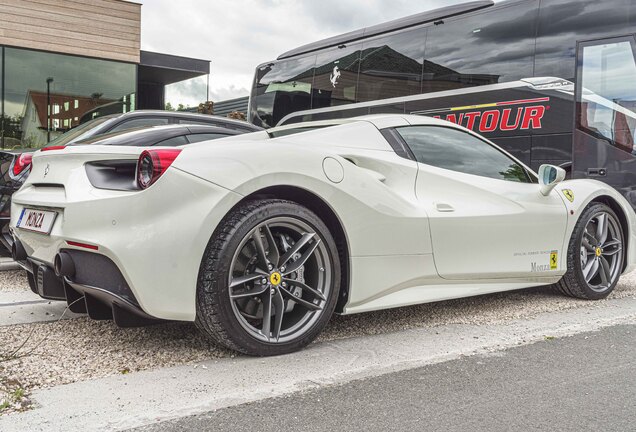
(155, 237)
(102, 294)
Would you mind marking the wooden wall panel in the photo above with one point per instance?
(107, 29)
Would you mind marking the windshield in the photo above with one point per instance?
(77, 131)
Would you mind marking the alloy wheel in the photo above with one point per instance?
(279, 280)
(601, 251)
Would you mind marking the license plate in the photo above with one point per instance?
(37, 220)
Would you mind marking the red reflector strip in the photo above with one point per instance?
(82, 245)
(53, 148)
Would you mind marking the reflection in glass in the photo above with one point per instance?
(281, 88)
(455, 150)
(391, 66)
(563, 22)
(336, 76)
(608, 106)
(41, 103)
(481, 48)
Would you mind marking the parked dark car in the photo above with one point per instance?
(15, 165)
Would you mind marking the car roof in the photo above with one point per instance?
(153, 134)
(193, 116)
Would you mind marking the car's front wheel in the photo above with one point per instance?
(269, 279)
(595, 254)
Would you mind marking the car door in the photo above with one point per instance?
(487, 218)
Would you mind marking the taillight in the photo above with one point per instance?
(52, 148)
(22, 163)
(152, 164)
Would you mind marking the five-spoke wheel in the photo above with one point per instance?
(281, 279)
(595, 254)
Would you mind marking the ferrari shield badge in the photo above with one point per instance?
(568, 194)
(554, 258)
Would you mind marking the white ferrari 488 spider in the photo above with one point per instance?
(260, 238)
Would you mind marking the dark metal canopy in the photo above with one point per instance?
(167, 69)
(389, 26)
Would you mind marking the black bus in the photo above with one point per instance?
(552, 81)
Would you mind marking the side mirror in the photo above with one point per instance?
(549, 177)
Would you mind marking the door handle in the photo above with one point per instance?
(443, 207)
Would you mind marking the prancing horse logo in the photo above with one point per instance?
(275, 278)
(334, 76)
(46, 170)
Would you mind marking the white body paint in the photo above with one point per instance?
(415, 233)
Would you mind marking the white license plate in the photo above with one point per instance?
(37, 220)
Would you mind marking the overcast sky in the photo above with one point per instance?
(237, 35)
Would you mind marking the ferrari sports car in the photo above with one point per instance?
(260, 238)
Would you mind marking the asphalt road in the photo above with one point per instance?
(585, 382)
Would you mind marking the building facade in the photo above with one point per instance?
(63, 62)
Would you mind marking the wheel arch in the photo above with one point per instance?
(622, 217)
(326, 213)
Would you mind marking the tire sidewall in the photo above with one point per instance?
(575, 245)
(218, 290)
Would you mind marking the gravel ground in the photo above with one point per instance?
(13, 280)
(79, 349)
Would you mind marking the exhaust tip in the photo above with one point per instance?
(17, 251)
(64, 265)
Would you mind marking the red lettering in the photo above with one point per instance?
(489, 120)
(453, 118)
(471, 116)
(505, 117)
(532, 116)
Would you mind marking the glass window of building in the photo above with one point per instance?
(391, 66)
(42, 103)
(456, 150)
(486, 47)
(336, 76)
(282, 87)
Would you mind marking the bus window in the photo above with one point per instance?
(563, 22)
(606, 105)
(490, 47)
(391, 66)
(280, 88)
(336, 76)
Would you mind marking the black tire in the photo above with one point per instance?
(214, 309)
(573, 283)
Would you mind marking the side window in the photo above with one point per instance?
(455, 150)
(140, 122)
(336, 76)
(173, 142)
(487, 47)
(391, 66)
(606, 104)
(194, 138)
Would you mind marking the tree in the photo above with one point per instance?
(169, 107)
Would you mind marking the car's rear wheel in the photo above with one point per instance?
(269, 279)
(595, 254)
